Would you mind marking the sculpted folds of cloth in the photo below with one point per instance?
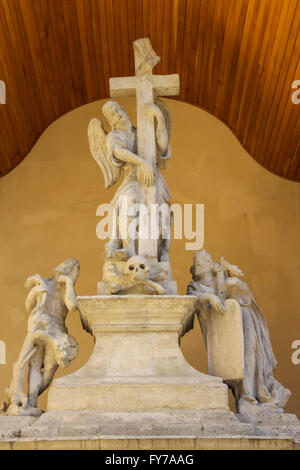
(141, 153)
(213, 283)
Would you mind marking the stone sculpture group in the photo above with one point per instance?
(137, 318)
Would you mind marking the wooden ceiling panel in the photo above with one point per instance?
(236, 58)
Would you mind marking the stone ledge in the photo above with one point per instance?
(207, 443)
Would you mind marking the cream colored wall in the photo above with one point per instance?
(48, 212)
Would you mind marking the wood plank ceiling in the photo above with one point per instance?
(236, 58)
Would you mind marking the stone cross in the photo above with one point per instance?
(145, 86)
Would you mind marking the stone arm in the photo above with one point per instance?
(125, 156)
(213, 301)
(223, 272)
(162, 136)
(144, 173)
(220, 280)
(70, 294)
(32, 297)
(205, 299)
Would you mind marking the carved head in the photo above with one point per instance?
(115, 114)
(203, 263)
(69, 267)
(145, 57)
(137, 268)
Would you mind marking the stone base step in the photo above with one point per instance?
(128, 425)
(193, 444)
(274, 424)
(162, 429)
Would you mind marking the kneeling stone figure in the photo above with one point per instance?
(47, 344)
(213, 283)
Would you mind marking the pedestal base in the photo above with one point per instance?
(140, 424)
(11, 426)
(137, 381)
(137, 364)
(163, 430)
(274, 424)
(137, 391)
(193, 444)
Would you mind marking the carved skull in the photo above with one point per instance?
(137, 268)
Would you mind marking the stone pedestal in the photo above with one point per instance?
(137, 389)
(137, 373)
(137, 363)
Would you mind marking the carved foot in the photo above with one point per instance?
(15, 410)
(271, 408)
(251, 410)
(247, 406)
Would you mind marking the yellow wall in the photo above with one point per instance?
(48, 213)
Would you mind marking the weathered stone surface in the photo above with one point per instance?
(254, 387)
(137, 363)
(273, 424)
(164, 429)
(225, 343)
(12, 426)
(140, 424)
(204, 443)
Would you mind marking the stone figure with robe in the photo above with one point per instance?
(118, 150)
(139, 241)
(259, 390)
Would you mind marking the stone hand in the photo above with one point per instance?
(216, 268)
(33, 280)
(145, 174)
(216, 304)
(152, 110)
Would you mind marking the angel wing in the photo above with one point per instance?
(233, 271)
(167, 115)
(97, 141)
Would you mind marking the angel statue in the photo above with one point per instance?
(259, 391)
(47, 344)
(117, 150)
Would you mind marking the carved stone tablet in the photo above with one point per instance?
(225, 343)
